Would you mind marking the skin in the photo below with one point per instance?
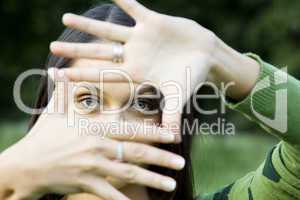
(88, 163)
(115, 96)
(198, 49)
(207, 56)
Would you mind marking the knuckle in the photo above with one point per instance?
(88, 26)
(110, 196)
(157, 181)
(91, 166)
(97, 51)
(130, 174)
(76, 74)
(163, 160)
(139, 153)
(84, 185)
(79, 74)
(76, 52)
(107, 30)
(97, 147)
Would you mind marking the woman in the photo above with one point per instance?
(261, 92)
(277, 179)
(113, 96)
(87, 107)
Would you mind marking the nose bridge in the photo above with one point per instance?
(118, 110)
(117, 98)
(118, 95)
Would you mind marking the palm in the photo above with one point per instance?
(165, 50)
(159, 48)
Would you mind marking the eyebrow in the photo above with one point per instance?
(147, 89)
(142, 89)
(83, 87)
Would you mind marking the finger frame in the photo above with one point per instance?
(99, 51)
(137, 175)
(98, 74)
(143, 154)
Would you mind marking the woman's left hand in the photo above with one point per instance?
(163, 49)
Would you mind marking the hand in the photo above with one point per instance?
(159, 48)
(54, 158)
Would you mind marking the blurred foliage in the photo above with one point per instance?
(11, 132)
(270, 28)
(235, 156)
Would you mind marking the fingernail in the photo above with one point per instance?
(55, 46)
(67, 18)
(169, 185)
(178, 162)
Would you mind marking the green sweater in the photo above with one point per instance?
(273, 105)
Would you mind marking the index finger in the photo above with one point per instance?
(97, 74)
(142, 154)
(147, 154)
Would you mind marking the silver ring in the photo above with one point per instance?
(120, 152)
(118, 53)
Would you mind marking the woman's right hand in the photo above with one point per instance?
(54, 158)
(161, 50)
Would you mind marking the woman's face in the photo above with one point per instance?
(110, 103)
(98, 108)
(97, 105)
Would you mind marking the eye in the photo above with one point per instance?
(89, 102)
(146, 105)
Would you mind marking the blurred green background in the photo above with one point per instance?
(270, 28)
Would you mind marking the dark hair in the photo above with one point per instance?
(113, 14)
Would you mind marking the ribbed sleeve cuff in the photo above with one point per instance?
(262, 97)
